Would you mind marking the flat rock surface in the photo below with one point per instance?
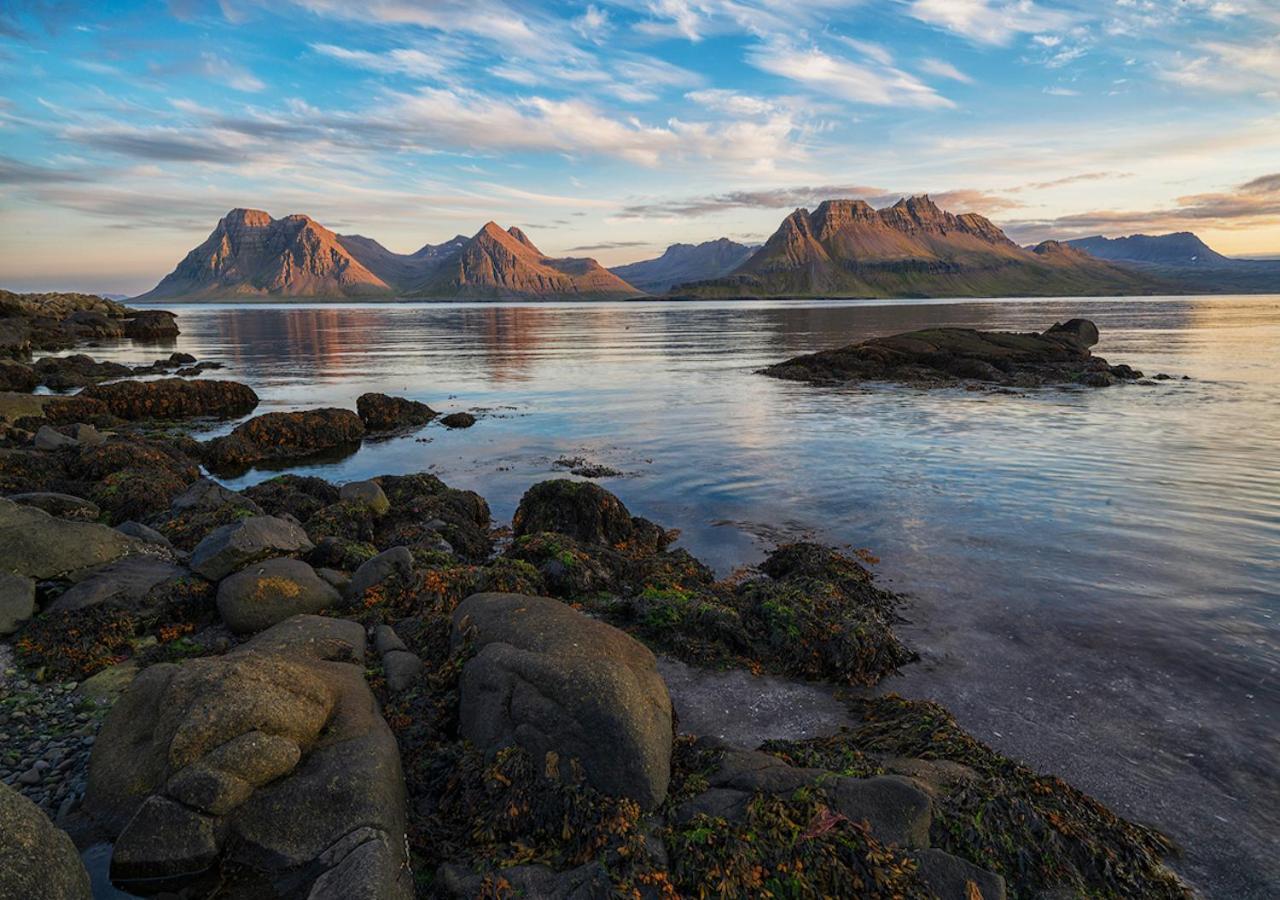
(744, 710)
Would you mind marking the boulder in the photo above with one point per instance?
(64, 506)
(273, 757)
(552, 680)
(380, 412)
(458, 420)
(143, 533)
(49, 438)
(952, 878)
(62, 373)
(15, 376)
(1080, 332)
(17, 601)
(38, 545)
(585, 512)
(151, 325)
(174, 398)
(37, 860)
(15, 405)
(124, 584)
(206, 495)
(234, 546)
(366, 493)
(284, 435)
(262, 594)
(394, 563)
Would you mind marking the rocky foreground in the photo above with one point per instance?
(306, 690)
(940, 357)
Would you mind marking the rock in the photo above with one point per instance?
(17, 601)
(402, 669)
(164, 839)
(458, 420)
(951, 878)
(359, 867)
(366, 493)
(234, 546)
(37, 860)
(316, 637)
(104, 687)
(62, 373)
(385, 640)
(206, 494)
(64, 506)
(1080, 332)
(1098, 379)
(14, 376)
(550, 679)
(181, 359)
(285, 435)
(15, 406)
(896, 808)
(262, 594)
(143, 533)
(380, 412)
(585, 512)
(394, 563)
(174, 398)
(151, 325)
(298, 495)
(35, 544)
(48, 438)
(87, 435)
(124, 584)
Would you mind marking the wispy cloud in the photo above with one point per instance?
(988, 21)
(944, 69)
(870, 82)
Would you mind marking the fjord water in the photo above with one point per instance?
(1094, 574)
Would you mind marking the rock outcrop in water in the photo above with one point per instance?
(56, 321)
(948, 356)
(845, 248)
(249, 254)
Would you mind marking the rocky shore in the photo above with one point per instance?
(944, 357)
(374, 690)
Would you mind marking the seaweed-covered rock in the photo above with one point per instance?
(424, 508)
(284, 435)
(586, 512)
(941, 356)
(300, 496)
(151, 325)
(368, 494)
(380, 412)
(458, 420)
(16, 376)
(262, 594)
(62, 373)
(174, 398)
(37, 860)
(551, 680)
(394, 564)
(234, 546)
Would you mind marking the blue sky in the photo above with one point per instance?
(614, 128)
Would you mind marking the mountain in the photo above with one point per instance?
(251, 255)
(685, 262)
(1186, 262)
(845, 248)
(497, 264)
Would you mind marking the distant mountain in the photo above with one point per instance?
(685, 262)
(845, 248)
(1186, 262)
(251, 255)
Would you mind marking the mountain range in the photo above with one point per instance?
(845, 248)
(685, 262)
(251, 255)
(1186, 262)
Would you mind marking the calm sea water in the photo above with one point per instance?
(1095, 575)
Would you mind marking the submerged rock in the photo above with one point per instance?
(380, 412)
(941, 356)
(555, 682)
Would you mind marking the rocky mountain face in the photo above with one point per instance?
(250, 254)
(845, 248)
(683, 263)
(1187, 263)
(497, 264)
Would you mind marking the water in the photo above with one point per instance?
(1095, 575)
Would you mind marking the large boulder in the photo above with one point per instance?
(37, 860)
(38, 545)
(151, 325)
(127, 583)
(284, 435)
(585, 512)
(174, 398)
(239, 543)
(380, 412)
(273, 757)
(262, 594)
(552, 680)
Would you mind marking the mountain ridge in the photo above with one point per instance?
(250, 254)
(1184, 260)
(684, 262)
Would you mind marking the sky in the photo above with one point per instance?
(616, 127)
